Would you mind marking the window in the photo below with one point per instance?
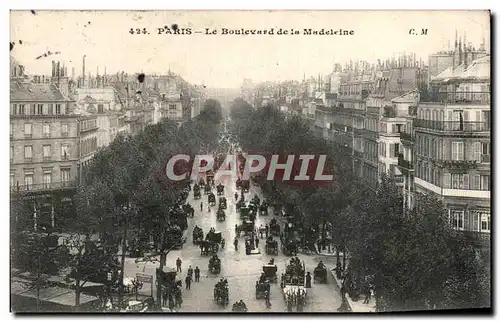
(485, 151)
(47, 179)
(39, 109)
(11, 153)
(46, 152)
(28, 180)
(12, 180)
(28, 152)
(13, 109)
(485, 183)
(64, 151)
(27, 130)
(11, 131)
(32, 109)
(51, 109)
(64, 129)
(457, 151)
(100, 108)
(460, 181)
(172, 106)
(477, 151)
(476, 182)
(21, 109)
(58, 109)
(457, 219)
(485, 222)
(65, 175)
(46, 129)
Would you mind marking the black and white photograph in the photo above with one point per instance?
(233, 162)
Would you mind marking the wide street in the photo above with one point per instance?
(241, 270)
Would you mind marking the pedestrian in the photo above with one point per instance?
(188, 282)
(201, 206)
(197, 274)
(235, 244)
(261, 231)
(343, 291)
(256, 241)
(308, 280)
(178, 297)
(178, 263)
(319, 245)
(236, 196)
(267, 230)
(190, 272)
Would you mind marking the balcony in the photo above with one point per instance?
(482, 98)
(46, 186)
(458, 164)
(453, 126)
(406, 136)
(64, 134)
(373, 110)
(405, 164)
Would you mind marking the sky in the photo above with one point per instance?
(223, 61)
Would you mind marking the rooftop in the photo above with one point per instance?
(25, 92)
(479, 69)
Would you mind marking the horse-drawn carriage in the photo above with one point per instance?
(274, 227)
(207, 189)
(220, 189)
(197, 235)
(247, 227)
(222, 203)
(295, 272)
(221, 292)
(221, 215)
(271, 246)
(261, 288)
(292, 282)
(211, 199)
(211, 243)
(320, 274)
(214, 264)
(270, 272)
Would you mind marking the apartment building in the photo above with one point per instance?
(453, 149)
(44, 149)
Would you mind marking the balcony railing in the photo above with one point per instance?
(453, 126)
(458, 97)
(45, 186)
(406, 136)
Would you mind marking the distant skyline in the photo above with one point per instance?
(223, 61)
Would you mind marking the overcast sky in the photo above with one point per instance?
(222, 60)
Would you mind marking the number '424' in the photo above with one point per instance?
(138, 31)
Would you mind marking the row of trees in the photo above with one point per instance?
(127, 193)
(410, 256)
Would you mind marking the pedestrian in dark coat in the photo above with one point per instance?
(178, 263)
(256, 241)
(267, 230)
(188, 282)
(197, 274)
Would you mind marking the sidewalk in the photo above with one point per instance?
(356, 306)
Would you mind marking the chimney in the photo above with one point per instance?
(53, 69)
(83, 71)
